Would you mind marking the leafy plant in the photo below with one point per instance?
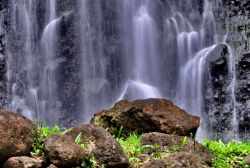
(120, 132)
(173, 149)
(132, 147)
(178, 148)
(90, 162)
(78, 141)
(41, 133)
(228, 155)
(184, 142)
(157, 155)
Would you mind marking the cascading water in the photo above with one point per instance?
(73, 58)
(144, 73)
(22, 19)
(232, 75)
(33, 83)
(48, 98)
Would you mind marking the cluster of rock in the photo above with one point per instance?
(160, 121)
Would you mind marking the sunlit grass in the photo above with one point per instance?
(132, 147)
(228, 155)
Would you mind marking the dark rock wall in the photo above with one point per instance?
(234, 23)
(3, 41)
(217, 95)
(243, 93)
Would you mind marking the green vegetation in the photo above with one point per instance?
(90, 161)
(178, 148)
(41, 133)
(228, 155)
(132, 147)
(78, 141)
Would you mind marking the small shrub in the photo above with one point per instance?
(178, 148)
(90, 162)
(41, 133)
(228, 155)
(132, 147)
(78, 141)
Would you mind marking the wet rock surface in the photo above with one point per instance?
(176, 143)
(3, 41)
(149, 115)
(176, 160)
(101, 144)
(233, 24)
(17, 133)
(23, 162)
(62, 151)
(243, 93)
(217, 94)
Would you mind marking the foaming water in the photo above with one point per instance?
(144, 74)
(138, 90)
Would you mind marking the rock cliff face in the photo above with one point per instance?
(233, 23)
(242, 93)
(3, 29)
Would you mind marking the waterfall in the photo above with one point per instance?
(31, 92)
(144, 73)
(192, 52)
(24, 57)
(67, 60)
(48, 82)
(232, 76)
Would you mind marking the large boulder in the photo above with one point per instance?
(62, 151)
(149, 115)
(176, 160)
(17, 133)
(101, 144)
(175, 143)
(23, 162)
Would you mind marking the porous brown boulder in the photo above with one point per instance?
(153, 163)
(23, 162)
(175, 160)
(17, 133)
(184, 160)
(149, 115)
(62, 151)
(175, 143)
(106, 150)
